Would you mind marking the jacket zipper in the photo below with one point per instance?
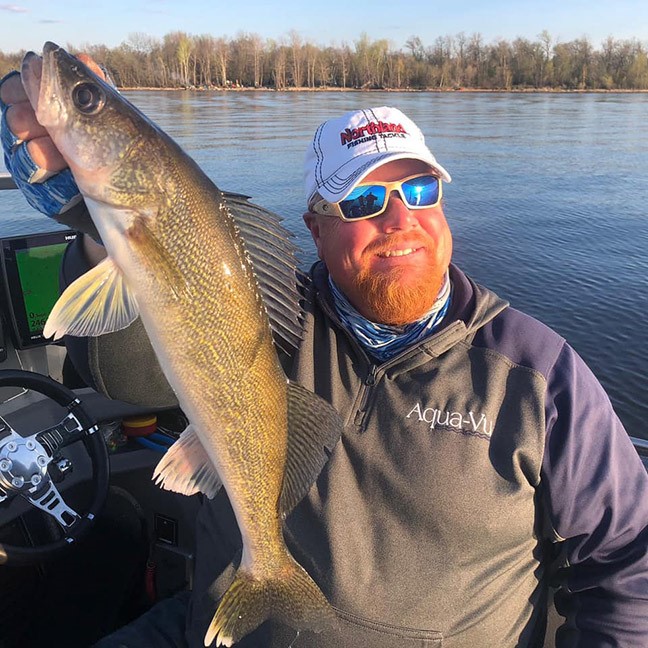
(368, 383)
(372, 375)
(375, 371)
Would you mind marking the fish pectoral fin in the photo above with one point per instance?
(97, 302)
(314, 428)
(186, 468)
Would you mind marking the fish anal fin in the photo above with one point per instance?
(314, 428)
(98, 302)
(186, 468)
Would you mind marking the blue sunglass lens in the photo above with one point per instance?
(422, 191)
(364, 200)
(367, 200)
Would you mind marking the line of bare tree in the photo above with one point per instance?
(181, 60)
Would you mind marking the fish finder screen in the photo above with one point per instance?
(38, 270)
(30, 267)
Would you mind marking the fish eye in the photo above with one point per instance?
(89, 98)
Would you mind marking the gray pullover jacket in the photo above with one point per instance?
(476, 468)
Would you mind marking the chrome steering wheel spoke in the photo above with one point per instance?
(67, 431)
(23, 471)
(47, 498)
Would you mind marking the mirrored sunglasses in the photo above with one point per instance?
(370, 200)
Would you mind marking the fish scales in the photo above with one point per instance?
(247, 399)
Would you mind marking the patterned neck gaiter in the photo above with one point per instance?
(381, 340)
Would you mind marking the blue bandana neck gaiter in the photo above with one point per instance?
(381, 340)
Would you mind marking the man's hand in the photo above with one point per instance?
(37, 166)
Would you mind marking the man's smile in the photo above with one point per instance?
(397, 253)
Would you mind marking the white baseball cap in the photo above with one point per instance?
(346, 149)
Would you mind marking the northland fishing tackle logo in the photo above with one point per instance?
(372, 131)
(469, 423)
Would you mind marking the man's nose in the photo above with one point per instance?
(397, 216)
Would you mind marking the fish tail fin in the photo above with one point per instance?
(290, 596)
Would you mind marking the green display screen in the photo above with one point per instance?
(38, 269)
(29, 282)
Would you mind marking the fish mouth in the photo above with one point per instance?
(31, 73)
(51, 83)
(32, 63)
(38, 73)
(50, 47)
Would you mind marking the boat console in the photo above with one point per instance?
(78, 507)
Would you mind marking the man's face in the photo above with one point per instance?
(390, 267)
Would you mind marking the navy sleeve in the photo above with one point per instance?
(595, 489)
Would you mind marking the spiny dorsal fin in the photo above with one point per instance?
(273, 257)
(314, 428)
(186, 468)
(97, 302)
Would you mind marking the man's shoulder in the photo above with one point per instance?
(516, 334)
(514, 322)
(522, 339)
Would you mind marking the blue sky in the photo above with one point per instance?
(26, 24)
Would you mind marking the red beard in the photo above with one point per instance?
(398, 296)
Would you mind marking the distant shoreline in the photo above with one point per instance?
(408, 90)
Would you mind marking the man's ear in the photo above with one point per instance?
(313, 227)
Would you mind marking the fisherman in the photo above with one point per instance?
(481, 464)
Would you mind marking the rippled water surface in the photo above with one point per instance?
(548, 204)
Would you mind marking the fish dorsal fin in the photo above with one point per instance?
(186, 468)
(314, 428)
(273, 257)
(97, 302)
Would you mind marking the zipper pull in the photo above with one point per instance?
(370, 380)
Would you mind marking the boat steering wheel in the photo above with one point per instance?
(24, 463)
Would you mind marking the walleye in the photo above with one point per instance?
(211, 280)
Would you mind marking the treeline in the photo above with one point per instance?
(180, 60)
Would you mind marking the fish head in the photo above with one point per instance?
(104, 139)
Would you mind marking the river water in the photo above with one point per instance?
(548, 204)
